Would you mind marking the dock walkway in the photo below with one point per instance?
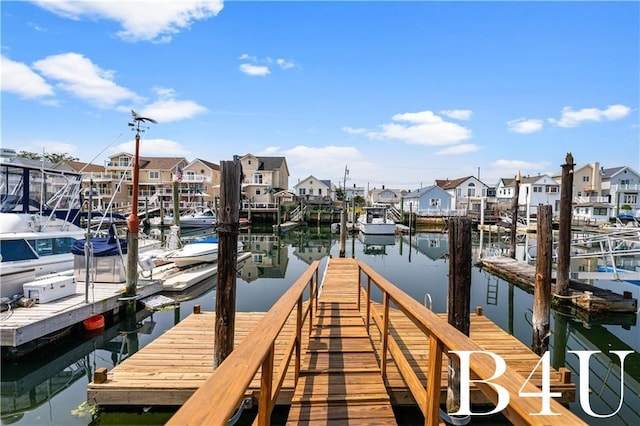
(590, 298)
(340, 378)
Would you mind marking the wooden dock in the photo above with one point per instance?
(585, 296)
(340, 363)
(26, 326)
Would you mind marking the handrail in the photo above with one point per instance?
(216, 400)
(444, 338)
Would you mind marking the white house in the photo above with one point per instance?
(313, 189)
(464, 191)
(541, 189)
(390, 197)
(622, 187)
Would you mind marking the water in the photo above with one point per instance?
(49, 388)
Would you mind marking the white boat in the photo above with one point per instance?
(164, 221)
(39, 221)
(198, 219)
(375, 220)
(195, 252)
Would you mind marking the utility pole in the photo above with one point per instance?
(343, 216)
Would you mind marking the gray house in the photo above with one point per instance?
(429, 201)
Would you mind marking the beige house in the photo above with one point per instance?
(262, 178)
(200, 185)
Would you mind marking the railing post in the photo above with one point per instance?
(298, 339)
(432, 416)
(266, 382)
(368, 304)
(385, 332)
(316, 293)
(312, 301)
(359, 285)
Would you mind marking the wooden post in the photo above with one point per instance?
(343, 229)
(514, 218)
(542, 284)
(459, 301)
(229, 214)
(564, 232)
(176, 203)
(133, 227)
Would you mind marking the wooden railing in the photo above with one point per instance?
(216, 400)
(442, 339)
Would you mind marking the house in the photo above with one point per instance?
(587, 199)
(467, 193)
(354, 191)
(593, 211)
(535, 190)
(505, 191)
(389, 197)
(621, 185)
(95, 176)
(262, 178)
(312, 190)
(428, 201)
(200, 183)
(155, 180)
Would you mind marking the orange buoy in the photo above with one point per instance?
(95, 322)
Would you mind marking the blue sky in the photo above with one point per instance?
(402, 93)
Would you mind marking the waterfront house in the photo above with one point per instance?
(588, 203)
(354, 191)
(387, 196)
(91, 173)
(622, 187)
(505, 191)
(200, 183)
(263, 177)
(429, 201)
(535, 190)
(467, 193)
(312, 190)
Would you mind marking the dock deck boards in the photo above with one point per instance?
(171, 368)
(24, 325)
(588, 297)
(339, 379)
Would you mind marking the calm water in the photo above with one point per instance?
(49, 388)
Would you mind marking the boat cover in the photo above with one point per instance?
(106, 246)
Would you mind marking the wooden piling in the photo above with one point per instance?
(228, 225)
(176, 203)
(564, 231)
(459, 301)
(542, 284)
(514, 218)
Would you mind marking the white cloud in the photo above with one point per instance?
(525, 125)
(167, 109)
(254, 70)
(458, 149)
(285, 64)
(18, 78)
(49, 146)
(519, 165)
(154, 148)
(423, 128)
(571, 118)
(141, 20)
(458, 114)
(354, 131)
(80, 77)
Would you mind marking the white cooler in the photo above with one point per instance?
(50, 289)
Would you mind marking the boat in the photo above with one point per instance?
(198, 219)
(194, 252)
(39, 221)
(375, 220)
(164, 221)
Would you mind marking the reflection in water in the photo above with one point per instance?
(418, 264)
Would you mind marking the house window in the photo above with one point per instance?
(310, 191)
(630, 198)
(537, 189)
(257, 192)
(302, 191)
(257, 178)
(599, 211)
(154, 175)
(624, 181)
(249, 162)
(585, 178)
(319, 191)
(123, 161)
(552, 189)
(435, 203)
(459, 192)
(471, 190)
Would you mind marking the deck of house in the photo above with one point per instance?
(345, 369)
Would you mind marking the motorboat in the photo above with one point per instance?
(194, 252)
(198, 219)
(375, 220)
(39, 220)
(164, 221)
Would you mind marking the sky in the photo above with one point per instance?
(396, 93)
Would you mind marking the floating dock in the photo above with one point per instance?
(23, 329)
(588, 297)
(171, 368)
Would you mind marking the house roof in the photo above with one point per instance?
(450, 184)
(160, 163)
(78, 166)
(609, 173)
(212, 166)
(420, 192)
(271, 163)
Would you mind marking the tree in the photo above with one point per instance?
(359, 201)
(54, 158)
